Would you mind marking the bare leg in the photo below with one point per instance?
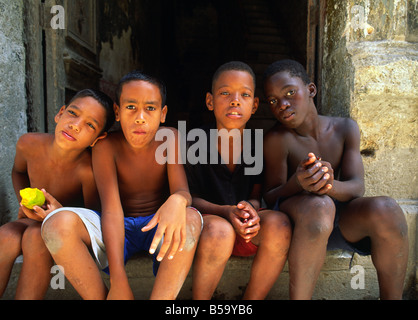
(10, 248)
(172, 273)
(68, 241)
(37, 262)
(213, 252)
(381, 219)
(273, 241)
(313, 218)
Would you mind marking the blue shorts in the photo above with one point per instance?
(137, 241)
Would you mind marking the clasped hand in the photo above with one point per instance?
(245, 220)
(315, 175)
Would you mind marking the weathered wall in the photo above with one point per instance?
(13, 121)
(370, 66)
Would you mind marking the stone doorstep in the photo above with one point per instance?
(333, 283)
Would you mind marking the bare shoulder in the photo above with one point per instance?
(346, 126)
(30, 138)
(277, 134)
(33, 142)
(112, 141)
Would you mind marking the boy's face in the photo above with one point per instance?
(80, 123)
(232, 99)
(289, 98)
(140, 112)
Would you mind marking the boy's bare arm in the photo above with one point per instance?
(113, 228)
(276, 183)
(171, 216)
(350, 183)
(90, 193)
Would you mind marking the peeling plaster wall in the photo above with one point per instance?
(13, 122)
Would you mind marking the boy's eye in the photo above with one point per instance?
(224, 93)
(151, 108)
(72, 112)
(291, 93)
(272, 102)
(130, 107)
(247, 95)
(91, 126)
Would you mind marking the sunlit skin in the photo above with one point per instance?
(312, 161)
(233, 102)
(60, 165)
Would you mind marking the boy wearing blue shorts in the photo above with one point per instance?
(144, 204)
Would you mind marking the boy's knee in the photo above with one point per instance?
(56, 229)
(10, 237)
(193, 228)
(318, 219)
(384, 213)
(276, 222)
(218, 230)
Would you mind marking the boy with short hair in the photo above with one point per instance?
(314, 173)
(143, 203)
(61, 164)
(230, 199)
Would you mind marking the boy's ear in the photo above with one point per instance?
(116, 110)
(312, 90)
(164, 114)
(102, 136)
(255, 105)
(59, 114)
(209, 101)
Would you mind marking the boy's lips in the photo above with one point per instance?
(288, 116)
(68, 136)
(233, 114)
(140, 132)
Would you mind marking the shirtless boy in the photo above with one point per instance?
(61, 164)
(314, 173)
(136, 194)
(230, 199)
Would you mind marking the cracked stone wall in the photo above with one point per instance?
(370, 73)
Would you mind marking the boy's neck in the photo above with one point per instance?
(64, 156)
(311, 125)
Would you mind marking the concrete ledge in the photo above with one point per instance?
(334, 281)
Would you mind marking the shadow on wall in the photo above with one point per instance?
(5, 210)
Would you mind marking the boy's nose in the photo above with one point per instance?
(284, 105)
(235, 101)
(75, 127)
(140, 119)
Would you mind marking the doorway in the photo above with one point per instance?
(181, 41)
(184, 41)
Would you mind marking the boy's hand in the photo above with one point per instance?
(40, 213)
(245, 220)
(314, 175)
(171, 220)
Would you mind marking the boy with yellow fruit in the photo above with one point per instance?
(60, 163)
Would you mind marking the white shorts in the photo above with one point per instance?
(92, 222)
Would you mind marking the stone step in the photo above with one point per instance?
(334, 282)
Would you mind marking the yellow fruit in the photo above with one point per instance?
(32, 197)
